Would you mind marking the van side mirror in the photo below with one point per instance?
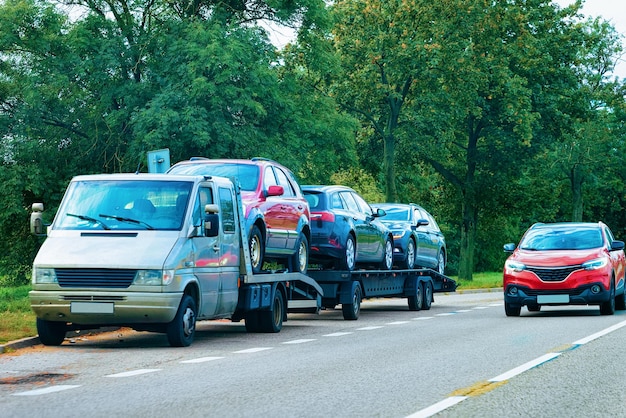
(211, 221)
(36, 219)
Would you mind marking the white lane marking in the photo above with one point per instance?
(44, 391)
(423, 318)
(446, 314)
(133, 373)
(304, 340)
(252, 350)
(397, 323)
(438, 407)
(368, 328)
(496, 304)
(463, 310)
(599, 334)
(337, 334)
(524, 367)
(481, 307)
(200, 360)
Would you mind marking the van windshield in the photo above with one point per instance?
(124, 205)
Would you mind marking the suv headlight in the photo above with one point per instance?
(44, 275)
(596, 264)
(153, 277)
(515, 265)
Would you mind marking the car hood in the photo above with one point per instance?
(556, 257)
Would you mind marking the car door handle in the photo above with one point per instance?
(216, 248)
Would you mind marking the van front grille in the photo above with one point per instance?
(100, 278)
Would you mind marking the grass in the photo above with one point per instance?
(16, 318)
(18, 321)
(487, 280)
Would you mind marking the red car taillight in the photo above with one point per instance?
(323, 216)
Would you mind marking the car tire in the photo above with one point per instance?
(608, 307)
(300, 259)
(441, 263)
(409, 262)
(348, 261)
(512, 310)
(257, 249)
(387, 262)
(620, 301)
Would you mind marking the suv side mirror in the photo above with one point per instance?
(617, 245)
(275, 190)
(211, 220)
(509, 248)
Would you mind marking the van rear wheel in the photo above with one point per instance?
(271, 321)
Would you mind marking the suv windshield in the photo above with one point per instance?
(123, 205)
(246, 174)
(562, 239)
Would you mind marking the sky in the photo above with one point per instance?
(613, 11)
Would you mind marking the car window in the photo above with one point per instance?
(246, 174)
(284, 181)
(349, 202)
(313, 199)
(609, 236)
(432, 224)
(562, 239)
(269, 179)
(205, 197)
(228, 210)
(336, 202)
(365, 207)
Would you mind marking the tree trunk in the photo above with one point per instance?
(576, 183)
(391, 192)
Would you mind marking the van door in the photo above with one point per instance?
(207, 254)
(229, 253)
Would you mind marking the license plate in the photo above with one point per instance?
(91, 308)
(552, 299)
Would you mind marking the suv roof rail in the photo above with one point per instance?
(263, 159)
(198, 158)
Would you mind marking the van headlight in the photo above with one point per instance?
(153, 277)
(596, 264)
(44, 275)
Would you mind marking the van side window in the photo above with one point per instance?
(227, 208)
(205, 197)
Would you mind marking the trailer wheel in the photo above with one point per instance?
(257, 250)
(51, 332)
(181, 330)
(352, 310)
(428, 295)
(272, 320)
(416, 301)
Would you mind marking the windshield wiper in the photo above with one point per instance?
(89, 219)
(129, 220)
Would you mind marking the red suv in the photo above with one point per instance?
(565, 264)
(277, 215)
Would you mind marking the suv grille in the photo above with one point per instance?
(553, 274)
(106, 278)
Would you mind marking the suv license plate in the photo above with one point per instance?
(552, 299)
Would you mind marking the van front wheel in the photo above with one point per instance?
(51, 332)
(181, 330)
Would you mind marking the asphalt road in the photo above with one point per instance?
(462, 358)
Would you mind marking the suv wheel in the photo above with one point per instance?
(256, 249)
